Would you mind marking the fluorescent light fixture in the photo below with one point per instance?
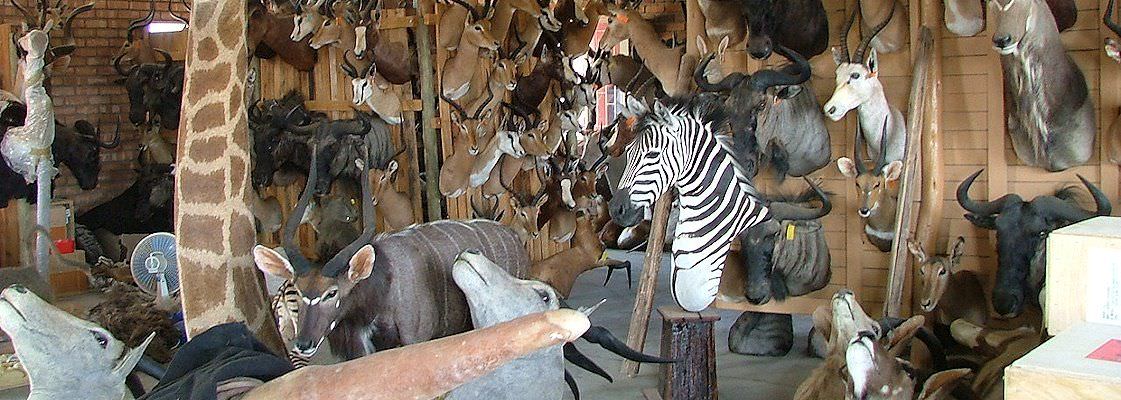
(166, 27)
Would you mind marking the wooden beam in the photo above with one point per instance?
(897, 270)
(648, 282)
(428, 113)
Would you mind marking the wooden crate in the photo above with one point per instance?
(1083, 280)
(1062, 368)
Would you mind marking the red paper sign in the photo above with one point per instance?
(1110, 351)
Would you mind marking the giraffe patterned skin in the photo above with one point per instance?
(213, 224)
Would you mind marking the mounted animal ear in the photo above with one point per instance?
(957, 251)
(939, 385)
(873, 63)
(787, 93)
(702, 48)
(892, 170)
(838, 56)
(127, 363)
(601, 170)
(916, 250)
(847, 167)
(271, 262)
(901, 336)
(722, 48)
(361, 264)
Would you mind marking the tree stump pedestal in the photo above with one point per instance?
(687, 336)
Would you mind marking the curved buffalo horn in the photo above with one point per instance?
(308, 129)
(859, 56)
(603, 337)
(573, 355)
(730, 81)
(845, 36)
(300, 264)
(142, 22)
(116, 136)
(881, 159)
(982, 208)
(340, 261)
(800, 71)
(857, 148)
(1056, 208)
(475, 15)
(789, 212)
(167, 64)
(1108, 19)
(117, 66)
(347, 67)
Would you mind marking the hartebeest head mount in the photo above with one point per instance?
(876, 186)
(857, 79)
(935, 271)
(321, 286)
(46, 16)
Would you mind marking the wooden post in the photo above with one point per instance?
(688, 337)
(897, 270)
(428, 112)
(644, 299)
(930, 210)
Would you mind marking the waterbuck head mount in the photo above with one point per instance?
(1021, 230)
(857, 78)
(322, 286)
(876, 187)
(934, 272)
(1015, 19)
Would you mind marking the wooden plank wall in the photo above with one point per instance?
(327, 89)
(974, 138)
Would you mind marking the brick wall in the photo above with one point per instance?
(87, 91)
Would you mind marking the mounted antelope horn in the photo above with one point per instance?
(117, 66)
(859, 56)
(845, 36)
(1108, 19)
(483, 107)
(788, 212)
(347, 67)
(475, 15)
(857, 149)
(603, 337)
(303, 130)
(166, 60)
(456, 106)
(981, 208)
(142, 22)
(186, 23)
(795, 74)
(363, 118)
(116, 136)
(881, 159)
(28, 17)
(68, 45)
(339, 262)
(300, 264)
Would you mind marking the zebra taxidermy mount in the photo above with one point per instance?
(859, 87)
(683, 143)
(1050, 116)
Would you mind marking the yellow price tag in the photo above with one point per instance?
(790, 232)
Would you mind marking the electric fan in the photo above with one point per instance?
(154, 267)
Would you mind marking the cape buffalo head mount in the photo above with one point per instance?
(1021, 231)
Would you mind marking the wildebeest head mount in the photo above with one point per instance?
(321, 285)
(275, 148)
(750, 94)
(154, 90)
(758, 242)
(46, 15)
(1021, 230)
(79, 148)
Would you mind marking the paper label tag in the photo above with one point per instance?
(1110, 351)
(790, 232)
(1103, 291)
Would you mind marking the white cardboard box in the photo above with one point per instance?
(1061, 368)
(1083, 282)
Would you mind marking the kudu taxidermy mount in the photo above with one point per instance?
(859, 87)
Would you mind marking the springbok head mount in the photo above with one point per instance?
(857, 78)
(874, 185)
(476, 29)
(322, 287)
(308, 16)
(364, 17)
(368, 87)
(934, 272)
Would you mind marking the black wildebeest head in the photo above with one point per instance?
(801, 25)
(758, 242)
(274, 148)
(79, 148)
(1021, 230)
(341, 142)
(321, 286)
(154, 91)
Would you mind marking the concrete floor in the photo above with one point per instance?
(739, 377)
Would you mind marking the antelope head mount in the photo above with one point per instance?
(365, 18)
(878, 190)
(50, 16)
(370, 88)
(308, 16)
(857, 79)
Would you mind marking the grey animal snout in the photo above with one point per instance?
(623, 211)
(1002, 41)
(18, 288)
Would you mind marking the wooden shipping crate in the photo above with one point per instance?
(1083, 281)
(1068, 366)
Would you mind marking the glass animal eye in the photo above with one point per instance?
(478, 28)
(942, 272)
(854, 75)
(101, 339)
(330, 295)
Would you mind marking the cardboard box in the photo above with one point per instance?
(1069, 366)
(1083, 282)
(62, 220)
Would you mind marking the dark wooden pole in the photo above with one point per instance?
(648, 282)
(428, 112)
